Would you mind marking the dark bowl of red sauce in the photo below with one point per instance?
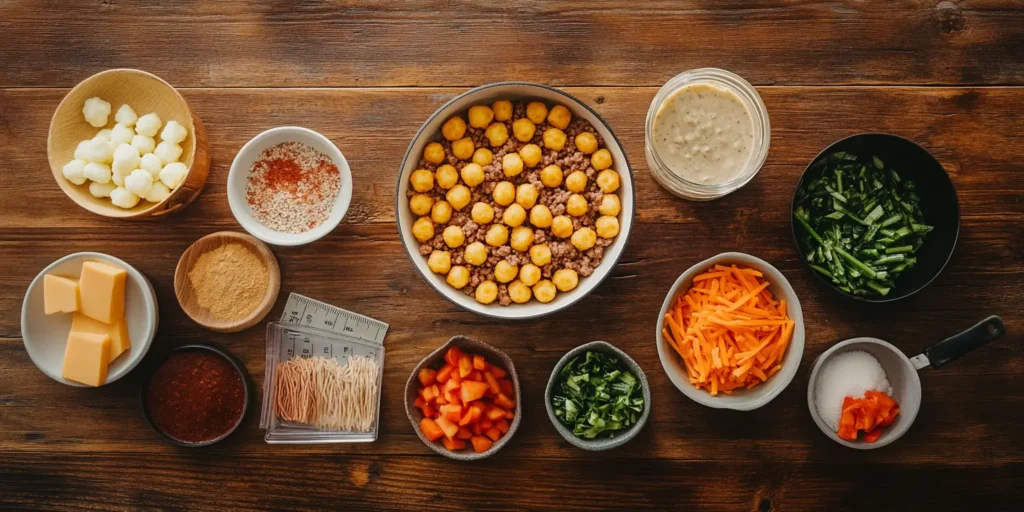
(196, 396)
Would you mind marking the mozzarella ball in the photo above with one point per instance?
(158, 192)
(529, 274)
(540, 216)
(440, 262)
(483, 156)
(526, 195)
(584, 238)
(100, 151)
(476, 253)
(122, 198)
(126, 115)
(608, 181)
(463, 148)
(482, 213)
(505, 271)
(100, 173)
(610, 205)
(559, 117)
(127, 155)
(576, 205)
(139, 182)
(117, 176)
(421, 180)
(74, 171)
(551, 176)
(480, 116)
(607, 227)
(519, 292)
(103, 134)
(486, 292)
(173, 132)
(423, 229)
(96, 112)
(458, 277)
(565, 279)
(586, 142)
(540, 254)
(544, 291)
(531, 154)
(441, 212)
(454, 128)
(101, 189)
(420, 204)
(497, 134)
(511, 164)
(168, 152)
(554, 139)
(521, 238)
(601, 159)
(173, 174)
(502, 110)
(536, 112)
(434, 153)
(472, 175)
(143, 144)
(576, 181)
(496, 235)
(121, 134)
(148, 125)
(561, 226)
(514, 215)
(453, 236)
(504, 193)
(523, 129)
(458, 197)
(446, 176)
(82, 150)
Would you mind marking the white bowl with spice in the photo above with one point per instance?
(289, 186)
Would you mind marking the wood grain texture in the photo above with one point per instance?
(367, 74)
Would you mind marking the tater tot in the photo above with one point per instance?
(458, 277)
(607, 227)
(540, 254)
(483, 156)
(454, 128)
(554, 139)
(540, 216)
(610, 205)
(480, 116)
(545, 291)
(504, 193)
(421, 180)
(511, 164)
(440, 262)
(601, 159)
(497, 134)
(458, 197)
(441, 212)
(576, 181)
(529, 274)
(472, 174)
(514, 215)
(502, 110)
(521, 238)
(551, 176)
(423, 229)
(519, 292)
(526, 195)
(434, 153)
(608, 181)
(523, 129)
(446, 176)
(482, 213)
(559, 117)
(486, 292)
(476, 253)
(586, 142)
(576, 205)
(531, 154)
(453, 236)
(565, 279)
(505, 272)
(561, 226)
(420, 204)
(536, 112)
(496, 235)
(463, 148)
(584, 238)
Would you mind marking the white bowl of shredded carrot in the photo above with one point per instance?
(731, 332)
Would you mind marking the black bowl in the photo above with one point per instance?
(238, 366)
(938, 202)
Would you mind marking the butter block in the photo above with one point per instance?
(86, 358)
(118, 332)
(60, 294)
(101, 291)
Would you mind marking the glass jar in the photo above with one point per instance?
(728, 81)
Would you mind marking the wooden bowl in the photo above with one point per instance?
(202, 316)
(145, 93)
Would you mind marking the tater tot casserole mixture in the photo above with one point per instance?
(515, 201)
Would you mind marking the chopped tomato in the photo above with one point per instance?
(473, 391)
(464, 433)
(430, 429)
(498, 372)
(453, 412)
(444, 373)
(481, 444)
(495, 413)
(493, 433)
(465, 366)
(502, 425)
(454, 443)
(453, 355)
(503, 401)
(449, 428)
(479, 363)
(506, 387)
(428, 377)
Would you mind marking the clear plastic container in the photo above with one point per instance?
(762, 134)
(288, 341)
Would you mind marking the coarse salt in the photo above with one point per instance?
(847, 374)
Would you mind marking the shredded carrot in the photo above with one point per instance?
(729, 330)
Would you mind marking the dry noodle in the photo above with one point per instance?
(321, 392)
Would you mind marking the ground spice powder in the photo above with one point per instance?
(195, 396)
(292, 187)
(229, 281)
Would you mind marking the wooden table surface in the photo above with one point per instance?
(947, 74)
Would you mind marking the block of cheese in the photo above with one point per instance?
(101, 291)
(86, 358)
(118, 332)
(60, 294)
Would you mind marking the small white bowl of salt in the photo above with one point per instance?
(856, 366)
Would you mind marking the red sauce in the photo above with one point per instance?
(196, 396)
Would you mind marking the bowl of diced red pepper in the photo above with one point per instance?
(463, 399)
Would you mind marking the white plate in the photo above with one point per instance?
(45, 336)
(514, 91)
(238, 178)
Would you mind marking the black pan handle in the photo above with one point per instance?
(955, 346)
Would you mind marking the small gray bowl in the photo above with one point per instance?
(599, 444)
(436, 360)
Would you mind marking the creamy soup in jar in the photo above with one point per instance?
(704, 134)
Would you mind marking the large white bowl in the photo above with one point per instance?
(513, 91)
(741, 399)
(45, 336)
(238, 178)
